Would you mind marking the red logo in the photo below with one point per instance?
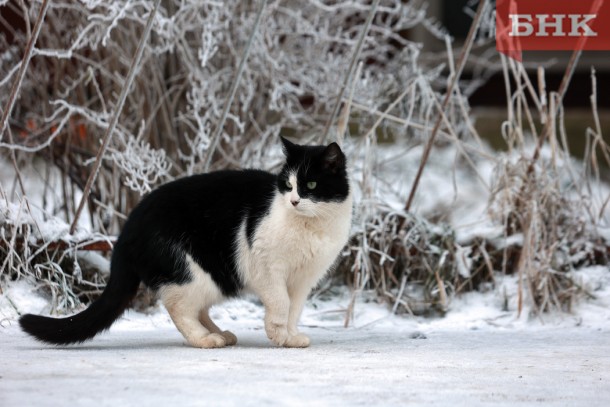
(552, 25)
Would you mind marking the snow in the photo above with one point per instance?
(476, 355)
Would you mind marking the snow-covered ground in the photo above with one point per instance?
(477, 355)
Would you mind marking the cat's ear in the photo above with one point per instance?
(288, 146)
(333, 157)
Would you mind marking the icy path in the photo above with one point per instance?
(143, 361)
(343, 367)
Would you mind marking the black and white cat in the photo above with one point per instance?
(202, 239)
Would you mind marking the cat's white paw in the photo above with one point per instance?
(230, 338)
(277, 333)
(210, 341)
(298, 341)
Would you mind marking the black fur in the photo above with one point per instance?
(200, 216)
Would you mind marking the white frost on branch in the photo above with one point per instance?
(141, 165)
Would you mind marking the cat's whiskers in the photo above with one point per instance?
(323, 210)
(319, 212)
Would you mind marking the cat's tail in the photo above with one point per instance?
(100, 315)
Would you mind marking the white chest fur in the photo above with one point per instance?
(293, 247)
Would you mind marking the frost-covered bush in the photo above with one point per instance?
(298, 58)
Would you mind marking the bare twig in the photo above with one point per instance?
(345, 112)
(396, 101)
(229, 101)
(348, 75)
(115, 117)
(460, 67)
(563, 87)
(548, 125)
(25, 62)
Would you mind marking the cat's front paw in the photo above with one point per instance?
(297, 341)
(277, 333)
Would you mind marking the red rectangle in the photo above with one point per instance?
(547, 25)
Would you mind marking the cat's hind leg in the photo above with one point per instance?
(206, 321)
(184, 302)
(185, 314)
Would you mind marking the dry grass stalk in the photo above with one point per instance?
(462, 62)
(408, 263)
(534, 199)
(350, 70)
(27, 56)
(131, 74)
(233, 90)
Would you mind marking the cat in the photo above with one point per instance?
(205, 238)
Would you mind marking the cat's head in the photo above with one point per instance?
(313, 178)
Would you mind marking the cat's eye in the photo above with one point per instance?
(311, 184)
(288, 184)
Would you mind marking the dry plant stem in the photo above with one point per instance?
(17, 171)
(20, 179)
(563, 87)
(401, 290)
(349, 312)
(238, 75)
(460, 99)
(460, 67)
(20, 182)
(508, 95)
(24, 66)
(348, 75)
(345, 112)
(409, 123)
(567, 77)
(115, 117)
(400, 97)
(442, 290)
(458, 143)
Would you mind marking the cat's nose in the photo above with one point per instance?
(294, 202)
